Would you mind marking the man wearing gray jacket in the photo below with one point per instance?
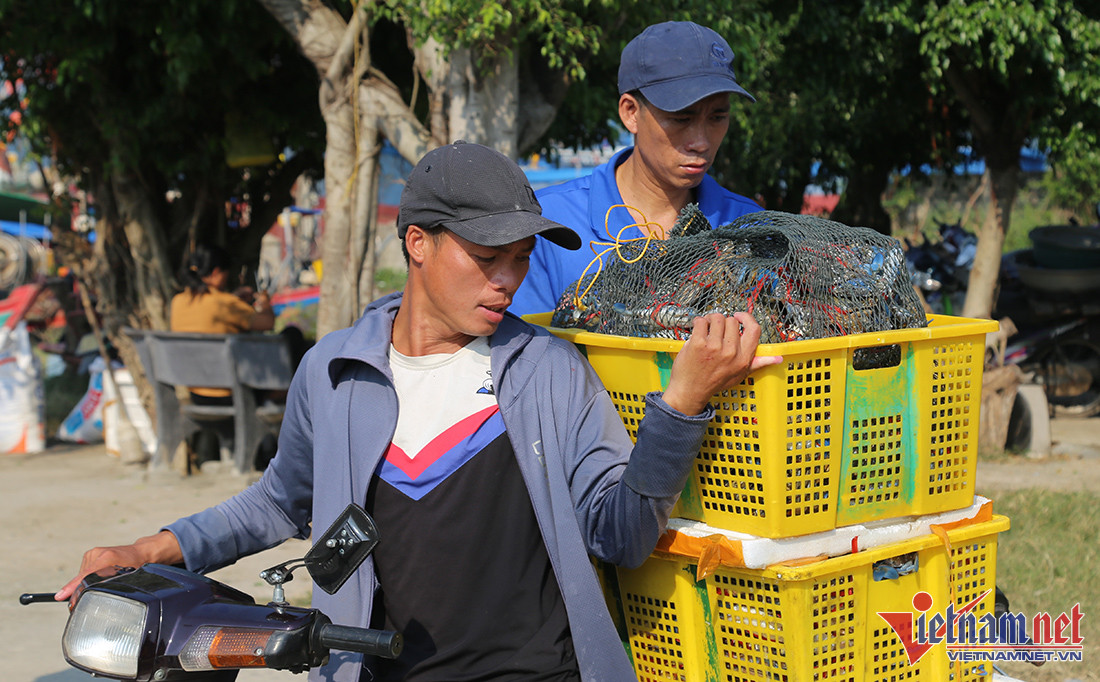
(486, 449)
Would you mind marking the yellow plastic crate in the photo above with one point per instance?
(817, 621)
(846, 430)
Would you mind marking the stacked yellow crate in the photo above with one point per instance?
(847, 430)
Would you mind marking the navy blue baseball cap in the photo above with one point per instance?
(677, 63)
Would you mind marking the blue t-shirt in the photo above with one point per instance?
(582, 205)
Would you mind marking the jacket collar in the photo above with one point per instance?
(368, 341)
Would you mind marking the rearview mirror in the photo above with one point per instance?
(342, 548)
(334, 557)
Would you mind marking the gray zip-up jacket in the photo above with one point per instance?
(593, 492)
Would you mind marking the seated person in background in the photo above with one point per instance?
(206, 307)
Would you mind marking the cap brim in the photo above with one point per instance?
(498, 229)
(676, 95)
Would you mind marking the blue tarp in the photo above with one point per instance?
(552, 175)
(1031, 161)
(32, 230)
(393, 171)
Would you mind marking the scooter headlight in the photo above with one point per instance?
(104, 634)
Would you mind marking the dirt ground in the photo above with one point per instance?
(1074, 463)
(55, 504)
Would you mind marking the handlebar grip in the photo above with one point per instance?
(384, 643)
(34, 597)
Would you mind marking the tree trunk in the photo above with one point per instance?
(999, 133)
(471, 101)
(435, 70)
(130, 289)
(152, 274)
(324, 38)
(365, 211)
(982, 286)
(339, 280)
(484, 103)
(396, 121)
(490, 103)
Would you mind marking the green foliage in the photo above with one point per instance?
(865, 88)
(1021, 69)
(1075, 182)
(1021, 45)
(940, 202)
(387, 280)
(832, 86)
(589, 114)
(860, 87)
(835, 88)
(559, 28)
(146, 89)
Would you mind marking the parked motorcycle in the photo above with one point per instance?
(165, 624)
(941, 269)
(1051, 293)
(1065, 360)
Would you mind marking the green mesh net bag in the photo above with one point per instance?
(801, 277)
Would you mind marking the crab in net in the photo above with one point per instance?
(800, 277)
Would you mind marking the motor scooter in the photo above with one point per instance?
(160, 623)
(164, 624)
(941, 269)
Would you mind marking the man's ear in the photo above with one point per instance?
(629, 109)
(417, 241)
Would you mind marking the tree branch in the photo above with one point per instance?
(344, 52)
(975, 105)
(395, 119)
(313, 25)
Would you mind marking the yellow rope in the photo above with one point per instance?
(615, 244)
(941, 533)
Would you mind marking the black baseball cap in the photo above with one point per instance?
(677, 63)
(479, 194)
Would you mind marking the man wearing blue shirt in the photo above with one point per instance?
(675, 81)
